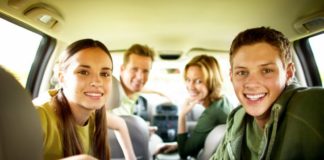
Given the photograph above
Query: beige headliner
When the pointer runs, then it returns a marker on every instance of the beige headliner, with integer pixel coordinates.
(168, 24)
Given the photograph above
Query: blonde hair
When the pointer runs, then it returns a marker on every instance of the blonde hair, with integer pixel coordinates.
(212, 75)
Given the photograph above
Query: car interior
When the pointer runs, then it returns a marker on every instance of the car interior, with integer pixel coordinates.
(33, 34)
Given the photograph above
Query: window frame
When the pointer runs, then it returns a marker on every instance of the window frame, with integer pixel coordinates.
(42, 56)
(307, 59)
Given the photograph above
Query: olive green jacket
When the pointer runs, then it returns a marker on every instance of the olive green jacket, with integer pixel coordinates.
(295, 129)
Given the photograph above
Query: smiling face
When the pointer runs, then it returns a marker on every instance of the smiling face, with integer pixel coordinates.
(258, 76)
(195, 83)
(135, 73)
(86, 79)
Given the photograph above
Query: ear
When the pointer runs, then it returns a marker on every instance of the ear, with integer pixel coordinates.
(231, 74)
(122, 68)
(290, 71)
(60, 77)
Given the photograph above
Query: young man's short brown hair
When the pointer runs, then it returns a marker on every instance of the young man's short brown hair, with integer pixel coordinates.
(263, 34)
(138, 49)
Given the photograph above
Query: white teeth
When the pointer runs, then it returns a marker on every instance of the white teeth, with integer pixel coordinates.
(255, 97)
(93, 94)
(192, 94)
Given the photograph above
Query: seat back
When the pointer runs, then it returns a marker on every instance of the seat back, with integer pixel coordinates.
(20, 128)
(193, 116)
(212, 141)
(139, 134)
(114, 99)
(137, 127)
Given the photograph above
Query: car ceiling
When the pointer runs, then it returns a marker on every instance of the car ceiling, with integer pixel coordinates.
(167, 24)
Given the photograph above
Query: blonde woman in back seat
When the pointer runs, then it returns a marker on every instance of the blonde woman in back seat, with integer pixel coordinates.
(204, 84)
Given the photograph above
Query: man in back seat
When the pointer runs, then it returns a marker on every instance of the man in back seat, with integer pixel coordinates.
(134, 74)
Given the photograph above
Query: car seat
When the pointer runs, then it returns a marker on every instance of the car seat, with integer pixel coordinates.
(20, 127)
(193, 116)
(212, 141)
(139, 135)
(137, 127)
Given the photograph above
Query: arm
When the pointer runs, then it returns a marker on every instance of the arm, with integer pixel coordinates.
(186, 108)
(184, 146)
(215, 114)
(120, 128)
(80, 157)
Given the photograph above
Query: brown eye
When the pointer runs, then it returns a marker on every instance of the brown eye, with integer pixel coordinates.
(105, 74)
(241, 73)
(267, 70)
(83, 72)
(198, 81)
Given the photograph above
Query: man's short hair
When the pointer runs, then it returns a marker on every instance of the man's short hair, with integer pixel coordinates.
(263, 34)
(138, 49)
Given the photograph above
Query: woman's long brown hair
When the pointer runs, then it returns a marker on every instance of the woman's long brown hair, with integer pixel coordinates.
(71, 142)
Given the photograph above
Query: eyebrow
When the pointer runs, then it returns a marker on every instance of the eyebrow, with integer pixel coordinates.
(87, 66)
(262, 65)
(267, 64)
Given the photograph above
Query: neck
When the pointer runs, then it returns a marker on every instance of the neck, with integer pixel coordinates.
(128, 92)
(206, 103)
(263, 119)
(80, 114)
(261, 123)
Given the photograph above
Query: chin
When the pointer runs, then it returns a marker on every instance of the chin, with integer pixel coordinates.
(252, 111)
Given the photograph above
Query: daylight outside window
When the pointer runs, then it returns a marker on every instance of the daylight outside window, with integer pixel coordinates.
(316, 44)
(18, 49)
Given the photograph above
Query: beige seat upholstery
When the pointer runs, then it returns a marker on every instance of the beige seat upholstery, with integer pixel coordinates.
(114, 99)
(212, 141)
(193, 117)
(137, 127)
(20, 128)
(139, 135)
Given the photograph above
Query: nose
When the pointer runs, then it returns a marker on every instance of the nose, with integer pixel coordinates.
(190, 85)
(252, 81)
(140, 75)
(96, 81)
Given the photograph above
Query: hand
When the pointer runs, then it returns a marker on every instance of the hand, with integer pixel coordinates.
(152, 129)
(188, 105)
(167, 148)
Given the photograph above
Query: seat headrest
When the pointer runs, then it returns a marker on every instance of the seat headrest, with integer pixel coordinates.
(20, 128)
(114, 99)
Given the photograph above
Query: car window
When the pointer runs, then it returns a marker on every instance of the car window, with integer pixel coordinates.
(18, 49)
(316, 43)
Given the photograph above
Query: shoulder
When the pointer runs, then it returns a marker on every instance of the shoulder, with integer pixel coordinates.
(308, 97)
(236, 116)
(313, 92)
(305, 108)
(45, 109)
(222, 104)
(47, 115)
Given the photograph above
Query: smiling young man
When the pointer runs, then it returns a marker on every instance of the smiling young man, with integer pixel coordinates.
(277, 119)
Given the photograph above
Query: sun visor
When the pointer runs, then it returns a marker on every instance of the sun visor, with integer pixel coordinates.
(44, 14)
